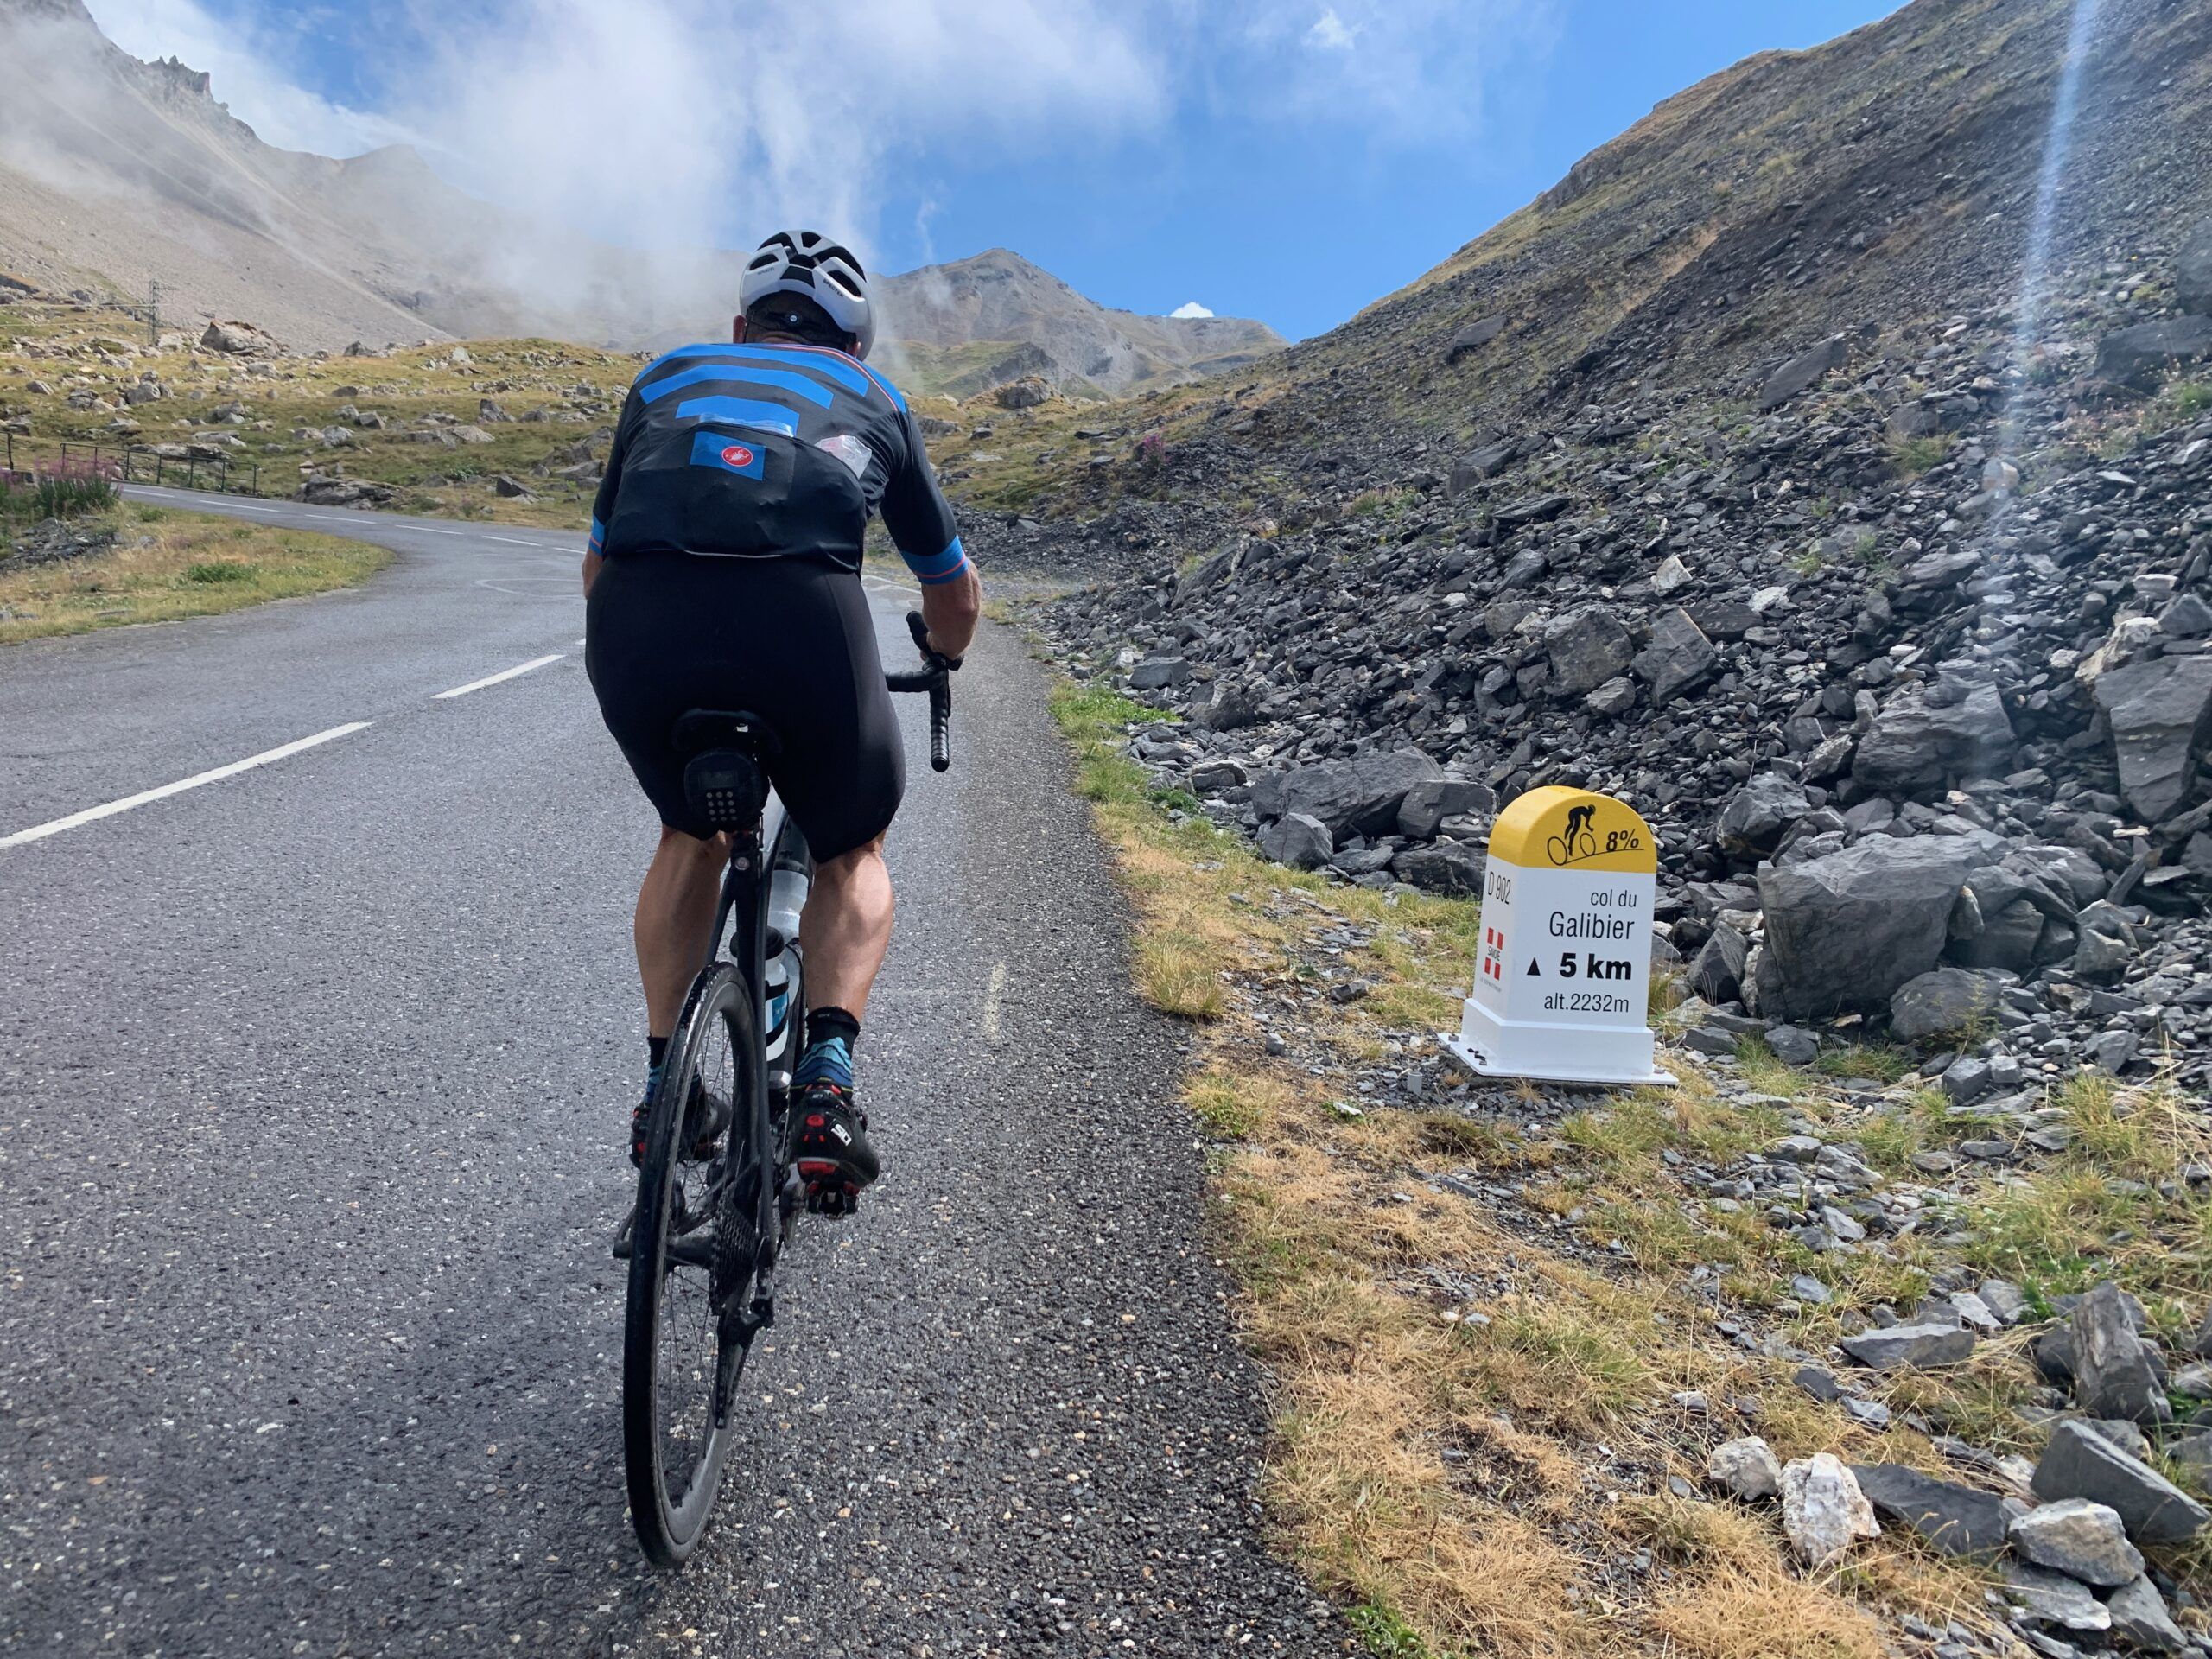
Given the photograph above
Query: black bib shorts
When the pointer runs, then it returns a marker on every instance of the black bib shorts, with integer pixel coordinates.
(789, 639)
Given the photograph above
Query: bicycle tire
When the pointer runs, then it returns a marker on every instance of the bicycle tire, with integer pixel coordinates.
(680, 1206)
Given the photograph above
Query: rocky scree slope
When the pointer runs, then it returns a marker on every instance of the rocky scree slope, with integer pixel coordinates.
(1898, 632)
(1887, 177)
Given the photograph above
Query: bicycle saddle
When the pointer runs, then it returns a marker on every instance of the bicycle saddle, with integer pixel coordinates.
(700, 729)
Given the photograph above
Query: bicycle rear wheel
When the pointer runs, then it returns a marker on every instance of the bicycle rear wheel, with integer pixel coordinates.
(692, 1256)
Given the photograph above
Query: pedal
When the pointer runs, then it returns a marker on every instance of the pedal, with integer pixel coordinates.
(841, 1199)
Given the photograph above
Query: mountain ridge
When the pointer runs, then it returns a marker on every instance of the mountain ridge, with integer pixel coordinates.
(113, 168)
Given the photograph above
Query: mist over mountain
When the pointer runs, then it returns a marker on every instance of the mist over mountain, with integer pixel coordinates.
(114, 172)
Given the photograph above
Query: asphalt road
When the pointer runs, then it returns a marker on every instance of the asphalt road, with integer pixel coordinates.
(313, 1081)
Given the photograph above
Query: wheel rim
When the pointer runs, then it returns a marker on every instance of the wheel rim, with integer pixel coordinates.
(688, 1449)
(696, 1245)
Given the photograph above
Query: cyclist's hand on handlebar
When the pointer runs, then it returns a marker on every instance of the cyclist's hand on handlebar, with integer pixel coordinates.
(923, 642)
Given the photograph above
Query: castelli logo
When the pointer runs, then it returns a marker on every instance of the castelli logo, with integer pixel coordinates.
(737, 455)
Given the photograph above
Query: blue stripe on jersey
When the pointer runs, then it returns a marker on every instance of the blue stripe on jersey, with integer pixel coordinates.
(943, 567)
(835, 365)
(740, 411)
(889, 391)
(782, 379)
(719, 449)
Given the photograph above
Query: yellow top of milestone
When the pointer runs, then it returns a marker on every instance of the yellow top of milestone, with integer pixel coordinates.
(1557, 828)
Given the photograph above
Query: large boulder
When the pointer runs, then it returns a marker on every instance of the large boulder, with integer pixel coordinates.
(1473, 337)
(2080, 1463)
(1449, 867)
(1301, 842)
(1910, 1347)
(1942, 1002)
(1157, 673)
(1536, 510)
(1759, 814)
(2193, 272)
(1678, 656)
(2017, 915)
(1483, 463)
(2159, 711)
(1956, 1520)
(1802, 372)
(1234, 704)
(2115, 1376)
(1429, 803)
(1844, 931)
(1717, 970)
(2081, 1539)
(1921, 742)
(2141, 357)
(1823, 1511)
(238, 340)
(1359, 797)
(1747, 1467)
(2140, 1620)
(1588, 646)
(1028, 392)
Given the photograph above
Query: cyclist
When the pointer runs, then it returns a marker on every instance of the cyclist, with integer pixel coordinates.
(723, 572)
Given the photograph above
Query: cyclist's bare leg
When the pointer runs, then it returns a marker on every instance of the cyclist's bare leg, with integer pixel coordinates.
(846, 929)
(675, 910)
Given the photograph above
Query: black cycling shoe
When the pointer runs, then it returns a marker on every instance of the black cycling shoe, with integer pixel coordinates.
(705, 1116)
(834, 1158)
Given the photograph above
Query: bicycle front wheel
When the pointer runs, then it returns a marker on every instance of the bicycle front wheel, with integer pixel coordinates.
(692, 1256)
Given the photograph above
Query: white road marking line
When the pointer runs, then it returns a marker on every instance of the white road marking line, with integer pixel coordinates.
(991, 1002)
(493, 679)
(512, 541)
(432, 530)
(93, 814)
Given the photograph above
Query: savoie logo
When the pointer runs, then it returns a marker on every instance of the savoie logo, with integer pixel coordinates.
(737, 455)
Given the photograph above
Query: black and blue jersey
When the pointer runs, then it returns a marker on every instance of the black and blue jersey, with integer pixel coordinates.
(771, 452)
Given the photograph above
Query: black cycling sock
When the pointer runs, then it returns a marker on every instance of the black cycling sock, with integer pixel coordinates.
(832, 1022)
(656, 1052)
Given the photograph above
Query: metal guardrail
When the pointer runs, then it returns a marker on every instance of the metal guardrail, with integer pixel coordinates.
(127, 463)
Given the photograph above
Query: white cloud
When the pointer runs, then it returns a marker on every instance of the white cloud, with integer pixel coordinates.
(1190, 309)
(247, 76)
(1412, 74)
(661, 123)
(1329, 33)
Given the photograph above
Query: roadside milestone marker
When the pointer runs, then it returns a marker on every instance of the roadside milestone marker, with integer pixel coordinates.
(1563, 983)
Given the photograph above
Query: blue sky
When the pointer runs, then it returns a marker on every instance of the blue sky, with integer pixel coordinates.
(1290, 160)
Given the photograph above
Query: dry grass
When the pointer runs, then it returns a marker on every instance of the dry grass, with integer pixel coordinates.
(166, 566)
(1466, 1468)
(1734, 1612)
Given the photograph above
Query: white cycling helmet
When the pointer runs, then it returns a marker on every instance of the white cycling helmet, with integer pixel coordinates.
(810, 263)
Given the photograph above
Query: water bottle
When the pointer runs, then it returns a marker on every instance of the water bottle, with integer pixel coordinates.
(787, 890)
(777, 1024)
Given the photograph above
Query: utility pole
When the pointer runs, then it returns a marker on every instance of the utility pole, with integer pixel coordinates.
(154, 290)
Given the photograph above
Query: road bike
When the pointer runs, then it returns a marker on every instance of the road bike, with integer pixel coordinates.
(718, 1196)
